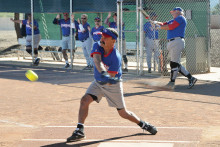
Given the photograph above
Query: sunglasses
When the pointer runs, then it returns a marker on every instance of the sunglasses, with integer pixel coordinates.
(83, 18)
(97, 20)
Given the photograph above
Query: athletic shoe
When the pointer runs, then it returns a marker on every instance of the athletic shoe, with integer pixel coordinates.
(36, 61)
(87, 68)
(192, 82)
(124, 71)
(76, 136)
(150, 128)
(170, 85)
(67, 65)
(149, 70)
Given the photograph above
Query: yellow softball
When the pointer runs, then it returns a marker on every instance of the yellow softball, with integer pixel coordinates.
(32, 76)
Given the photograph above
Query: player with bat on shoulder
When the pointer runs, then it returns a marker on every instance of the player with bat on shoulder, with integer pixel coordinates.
(107, 83)
(176, 43)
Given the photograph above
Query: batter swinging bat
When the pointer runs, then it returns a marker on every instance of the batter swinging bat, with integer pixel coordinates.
(145, 14)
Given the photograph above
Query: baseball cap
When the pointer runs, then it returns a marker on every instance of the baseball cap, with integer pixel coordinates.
(110, 32)
(97, 18)
(65, 13)
(177, 9)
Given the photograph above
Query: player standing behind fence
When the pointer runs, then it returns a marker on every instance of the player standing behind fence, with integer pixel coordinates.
(176, 43)
(114, 25)
(84, 37)
(97, 30)
(65, 25)
(37, 37)
(151, 41)
(107, 83)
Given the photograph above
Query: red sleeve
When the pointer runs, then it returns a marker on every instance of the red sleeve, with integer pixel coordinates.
(164, 23)
(95, 53)
(114, 72)
(174, 25)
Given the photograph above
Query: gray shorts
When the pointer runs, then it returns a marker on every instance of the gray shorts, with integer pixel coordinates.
(66, 42)
(37, 39)
(175, 49)
(113, 93)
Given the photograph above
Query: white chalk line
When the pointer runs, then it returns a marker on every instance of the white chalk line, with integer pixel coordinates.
(103, 140)
(130, 127)
(16, 123)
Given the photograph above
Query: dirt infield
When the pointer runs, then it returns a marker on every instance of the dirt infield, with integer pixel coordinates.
(44, 113)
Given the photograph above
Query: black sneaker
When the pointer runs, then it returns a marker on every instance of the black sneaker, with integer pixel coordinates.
(150, 128)
(36, 61)
(67, 65)
(76, 136)
(192, 82)
(125, 70)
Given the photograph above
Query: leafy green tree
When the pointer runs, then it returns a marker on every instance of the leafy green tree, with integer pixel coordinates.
(216, 10)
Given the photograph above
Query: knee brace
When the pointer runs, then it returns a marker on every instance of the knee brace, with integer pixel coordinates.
(29, 51)
(174, 70)
(35, 52)
(125, 59)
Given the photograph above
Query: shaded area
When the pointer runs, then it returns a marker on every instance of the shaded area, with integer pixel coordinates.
(63, 144)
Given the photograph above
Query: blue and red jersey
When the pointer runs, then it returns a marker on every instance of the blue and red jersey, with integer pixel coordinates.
(111, 61)
(178, 31)
(83, 35)
(65, 26)
(97, 33)
(29, 29)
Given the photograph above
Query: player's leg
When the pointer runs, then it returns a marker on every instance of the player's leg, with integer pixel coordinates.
(93, 93)
(133, 118)
(64, 51)
(124, 52)
(29, 44)
(71, 47)
(86, 55)
(37, 39)
(149, 47)
(88, 49)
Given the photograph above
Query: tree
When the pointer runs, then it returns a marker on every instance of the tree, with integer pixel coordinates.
(216, 9)
(17, 26)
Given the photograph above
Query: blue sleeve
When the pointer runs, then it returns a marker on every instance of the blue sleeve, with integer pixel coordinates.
(157, 34)
(145, 27)
(24, 22)
(95, 50)
(179, 19)
(36, 24)
(115, 65)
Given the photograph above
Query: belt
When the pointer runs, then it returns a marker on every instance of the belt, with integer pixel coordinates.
(175, 38)
(66, 35)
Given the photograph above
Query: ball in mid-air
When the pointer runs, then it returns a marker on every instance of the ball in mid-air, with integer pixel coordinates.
(32, 76)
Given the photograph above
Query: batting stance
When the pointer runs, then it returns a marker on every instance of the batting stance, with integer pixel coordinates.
(37, 37)
(107, 84)
(151, 41)
(176, 43)
(65, 25)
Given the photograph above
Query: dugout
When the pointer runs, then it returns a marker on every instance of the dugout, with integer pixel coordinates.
(195, 56)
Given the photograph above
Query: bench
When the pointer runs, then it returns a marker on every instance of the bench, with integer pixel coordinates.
(57, 55)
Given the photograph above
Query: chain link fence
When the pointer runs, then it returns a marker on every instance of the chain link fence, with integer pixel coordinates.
(196, 57)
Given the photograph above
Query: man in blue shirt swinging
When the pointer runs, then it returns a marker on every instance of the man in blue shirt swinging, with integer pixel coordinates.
(107, 83)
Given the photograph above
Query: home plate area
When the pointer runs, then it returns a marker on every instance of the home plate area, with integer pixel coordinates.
(115, 136)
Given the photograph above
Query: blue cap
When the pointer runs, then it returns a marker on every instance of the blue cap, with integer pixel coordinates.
(177, 8)
(97, 18)
(110, 32)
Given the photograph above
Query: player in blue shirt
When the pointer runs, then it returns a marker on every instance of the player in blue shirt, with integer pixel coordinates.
(84, 36)
(37, 37)
(176, 43)
(107, 73)
(65, 25)
(97, 30)
(151, 41)
(124, 50)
